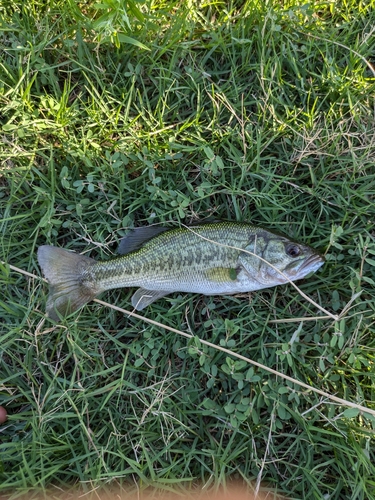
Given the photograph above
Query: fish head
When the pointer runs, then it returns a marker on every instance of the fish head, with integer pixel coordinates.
(281, 260)
(289, 261)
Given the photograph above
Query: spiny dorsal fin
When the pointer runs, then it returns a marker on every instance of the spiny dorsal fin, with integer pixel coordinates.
(138, 237)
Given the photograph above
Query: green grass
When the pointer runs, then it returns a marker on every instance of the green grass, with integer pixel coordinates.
(249, 111)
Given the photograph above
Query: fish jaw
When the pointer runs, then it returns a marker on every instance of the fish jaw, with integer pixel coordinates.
(310, 265)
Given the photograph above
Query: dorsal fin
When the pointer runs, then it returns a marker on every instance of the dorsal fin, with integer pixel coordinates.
(138, 237)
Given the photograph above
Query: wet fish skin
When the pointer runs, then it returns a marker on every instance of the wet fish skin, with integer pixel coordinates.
(212, 259)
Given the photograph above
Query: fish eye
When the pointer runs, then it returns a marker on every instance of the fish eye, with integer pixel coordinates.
(293, 250)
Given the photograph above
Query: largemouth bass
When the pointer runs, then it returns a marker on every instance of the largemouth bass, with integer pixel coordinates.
(219, 258)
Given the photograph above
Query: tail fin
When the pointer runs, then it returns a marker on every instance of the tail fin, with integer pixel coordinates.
(65, 273)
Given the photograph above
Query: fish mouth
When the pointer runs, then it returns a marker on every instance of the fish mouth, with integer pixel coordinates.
(311, 264)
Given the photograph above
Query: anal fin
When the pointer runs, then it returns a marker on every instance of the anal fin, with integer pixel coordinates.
(143, 298)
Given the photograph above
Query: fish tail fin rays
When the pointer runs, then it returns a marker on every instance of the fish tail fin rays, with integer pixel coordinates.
(65, 272)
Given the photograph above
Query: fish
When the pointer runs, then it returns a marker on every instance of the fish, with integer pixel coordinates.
(219, 258)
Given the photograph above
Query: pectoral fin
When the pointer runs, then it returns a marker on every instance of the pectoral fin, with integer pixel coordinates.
(143, 298)
(222, 274)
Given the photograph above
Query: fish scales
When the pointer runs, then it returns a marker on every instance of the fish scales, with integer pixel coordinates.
(170, 256)
(174, 252)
